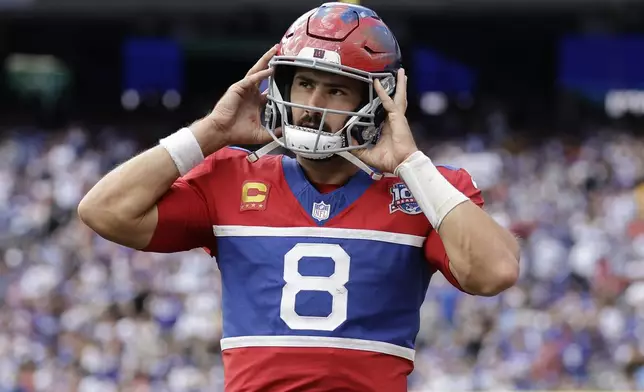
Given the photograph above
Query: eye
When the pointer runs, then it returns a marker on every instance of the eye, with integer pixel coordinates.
(337, 91)
(305, 84)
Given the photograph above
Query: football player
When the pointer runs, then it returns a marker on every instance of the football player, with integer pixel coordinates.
(326, 258)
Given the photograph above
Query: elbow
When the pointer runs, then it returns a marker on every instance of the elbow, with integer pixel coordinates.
(491, 276)
(95, 216)
(507, 277)
(85, 212)
(504, 276)
(500, 276)
(506, 271)
(107, 221)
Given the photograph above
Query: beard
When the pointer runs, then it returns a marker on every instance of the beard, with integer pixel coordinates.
(313, 122)
(332, 158)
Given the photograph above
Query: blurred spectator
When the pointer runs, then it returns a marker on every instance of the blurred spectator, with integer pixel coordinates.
(82, 314)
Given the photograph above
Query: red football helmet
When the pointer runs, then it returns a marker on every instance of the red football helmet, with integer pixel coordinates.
(343, 39)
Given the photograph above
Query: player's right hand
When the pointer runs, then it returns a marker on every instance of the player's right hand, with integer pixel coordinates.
(236, 117)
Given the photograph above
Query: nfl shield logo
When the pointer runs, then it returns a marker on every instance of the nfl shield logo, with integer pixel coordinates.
(321, 211)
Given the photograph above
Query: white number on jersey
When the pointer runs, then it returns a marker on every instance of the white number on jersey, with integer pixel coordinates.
(334, 285)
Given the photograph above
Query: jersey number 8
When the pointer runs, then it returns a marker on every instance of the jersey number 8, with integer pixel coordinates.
(334, 285)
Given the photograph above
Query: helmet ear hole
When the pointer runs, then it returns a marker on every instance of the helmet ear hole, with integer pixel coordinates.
(389, 84)
(283, 79)
(271, 115)
(380, 114)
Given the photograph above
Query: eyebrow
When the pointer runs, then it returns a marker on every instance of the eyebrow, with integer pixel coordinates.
(309, 79)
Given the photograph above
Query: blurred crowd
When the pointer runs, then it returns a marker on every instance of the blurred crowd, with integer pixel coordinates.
(81, 314)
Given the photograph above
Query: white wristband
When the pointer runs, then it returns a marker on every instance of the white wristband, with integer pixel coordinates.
(433, 193)
(184, 149)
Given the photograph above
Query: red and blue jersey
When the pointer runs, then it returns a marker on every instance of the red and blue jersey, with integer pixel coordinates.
(321, 291)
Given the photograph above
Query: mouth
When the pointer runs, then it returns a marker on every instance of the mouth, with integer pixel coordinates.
(311, 125)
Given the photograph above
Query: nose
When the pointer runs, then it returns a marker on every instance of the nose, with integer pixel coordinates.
(317, 98)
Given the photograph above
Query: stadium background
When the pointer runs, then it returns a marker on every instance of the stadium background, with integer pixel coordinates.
(540, 100)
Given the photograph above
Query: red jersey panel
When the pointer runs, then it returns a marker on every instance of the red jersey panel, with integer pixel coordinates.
(313, 370)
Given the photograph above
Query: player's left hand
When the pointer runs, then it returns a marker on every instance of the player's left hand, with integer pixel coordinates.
(396, 140)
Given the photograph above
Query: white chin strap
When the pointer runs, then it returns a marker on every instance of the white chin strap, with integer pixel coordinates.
(353, 159)
(254, 156)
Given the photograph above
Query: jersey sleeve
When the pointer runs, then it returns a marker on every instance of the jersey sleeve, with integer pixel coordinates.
(185, 216)
(434, 248)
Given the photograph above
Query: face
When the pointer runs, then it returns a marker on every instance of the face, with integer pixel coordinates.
(324, 90)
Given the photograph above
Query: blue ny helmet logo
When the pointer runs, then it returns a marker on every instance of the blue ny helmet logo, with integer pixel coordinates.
(402, 200)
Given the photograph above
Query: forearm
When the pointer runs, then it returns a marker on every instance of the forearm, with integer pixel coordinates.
(133, 188)
(483, 256)
(122, 205)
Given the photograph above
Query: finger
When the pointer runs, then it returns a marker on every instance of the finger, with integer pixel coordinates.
(263, 98)
(400, 98)
(262, 63)
(387, 102)
(406, 100)
(359, 152)
(261, 135)
(255, 79)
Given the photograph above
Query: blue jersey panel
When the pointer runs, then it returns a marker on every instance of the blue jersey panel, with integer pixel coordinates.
(335, 201)
(348, 288)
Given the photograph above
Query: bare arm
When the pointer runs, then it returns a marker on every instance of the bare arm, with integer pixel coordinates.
(468, 246)
(121, 207)
(484, 257)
